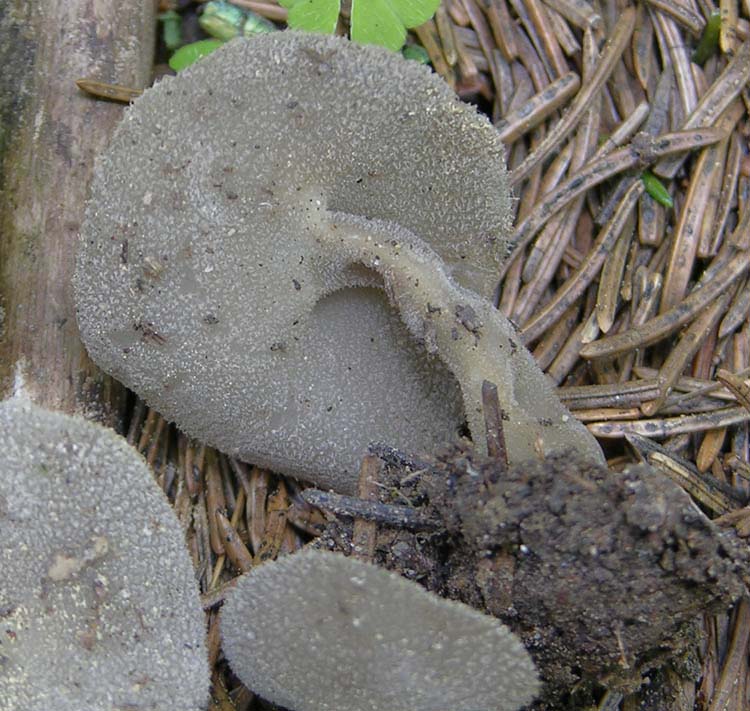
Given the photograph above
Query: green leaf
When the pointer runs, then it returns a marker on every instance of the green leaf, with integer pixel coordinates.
(382, 22)
(709, 41)
(190, 53)
(221, 20)
(656, 189)
(414, 12)
(385, 22)
(312, 15)
(416, 53)
(171, 29)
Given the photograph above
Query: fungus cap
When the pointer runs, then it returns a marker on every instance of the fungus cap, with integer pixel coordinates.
(98, 599)
(199, 281)
(238, 224)
(317, 631)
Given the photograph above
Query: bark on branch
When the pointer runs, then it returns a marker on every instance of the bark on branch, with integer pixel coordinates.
(50, 134)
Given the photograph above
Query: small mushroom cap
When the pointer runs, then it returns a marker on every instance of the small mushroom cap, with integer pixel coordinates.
(316, 631)
(98, 600)
(198, 274)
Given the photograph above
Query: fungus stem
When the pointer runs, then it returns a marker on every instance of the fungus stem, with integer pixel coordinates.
(474, 340)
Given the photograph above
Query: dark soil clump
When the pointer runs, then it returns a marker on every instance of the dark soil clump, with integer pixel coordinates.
(601, 573)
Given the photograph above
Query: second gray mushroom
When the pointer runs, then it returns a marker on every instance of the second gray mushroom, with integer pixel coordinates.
(248, 221)
(317, 630)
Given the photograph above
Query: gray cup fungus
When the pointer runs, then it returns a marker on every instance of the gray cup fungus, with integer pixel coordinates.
(316, 631)
(98, 599)
(245, 226)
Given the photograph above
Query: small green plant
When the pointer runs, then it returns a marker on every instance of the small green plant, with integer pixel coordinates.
(382, 22)
(709, 41)
(190, 53)
(416, 52)
(221, 20)
(656, 189)
(171, 29)
(224, 21)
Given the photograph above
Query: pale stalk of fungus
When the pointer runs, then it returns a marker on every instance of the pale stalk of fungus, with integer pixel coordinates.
(317, 630)
(98, 599)
(207, 280)
(474, 340)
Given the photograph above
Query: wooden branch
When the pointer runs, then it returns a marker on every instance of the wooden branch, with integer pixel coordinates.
(50, 134)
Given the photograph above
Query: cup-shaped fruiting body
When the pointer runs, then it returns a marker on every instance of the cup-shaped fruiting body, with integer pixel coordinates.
(98, 599)
(317, 630)
(207, 282)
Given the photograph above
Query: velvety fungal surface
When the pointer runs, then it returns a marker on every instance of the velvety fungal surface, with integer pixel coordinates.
(317, 631)
(237, 211)
(98, 601)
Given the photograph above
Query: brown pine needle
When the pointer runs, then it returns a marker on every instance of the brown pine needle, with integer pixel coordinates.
(610, 55)
(735, 659)
(667, 323)
(714, 102)
(669, 426)
(679, 356)
(577, 284)
(737, 385)
(111, 92)
(681, 13)
(538, 108)
(641, 153)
